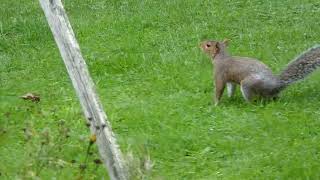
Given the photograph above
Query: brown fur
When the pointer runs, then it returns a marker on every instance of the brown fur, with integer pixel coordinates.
(254, 77)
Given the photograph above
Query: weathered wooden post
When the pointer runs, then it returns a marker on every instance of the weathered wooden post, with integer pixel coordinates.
(84, 86)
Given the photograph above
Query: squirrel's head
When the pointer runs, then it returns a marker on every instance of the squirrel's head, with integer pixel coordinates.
(213, 47)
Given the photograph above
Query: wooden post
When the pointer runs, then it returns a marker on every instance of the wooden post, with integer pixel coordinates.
(84, 86)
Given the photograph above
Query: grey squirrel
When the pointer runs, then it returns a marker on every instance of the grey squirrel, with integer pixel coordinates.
(254, 77)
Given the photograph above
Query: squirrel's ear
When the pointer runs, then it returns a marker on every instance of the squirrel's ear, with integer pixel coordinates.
(226, 42)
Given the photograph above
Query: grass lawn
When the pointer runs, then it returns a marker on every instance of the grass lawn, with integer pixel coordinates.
(156, 87)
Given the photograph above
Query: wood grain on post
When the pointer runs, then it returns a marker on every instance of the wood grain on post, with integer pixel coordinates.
(84, 86)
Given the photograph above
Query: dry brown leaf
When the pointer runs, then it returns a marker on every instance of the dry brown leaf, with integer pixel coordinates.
(31, 96)
(93, 138)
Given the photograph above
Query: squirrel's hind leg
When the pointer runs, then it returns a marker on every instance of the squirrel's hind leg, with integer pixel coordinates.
(247, 87)
(231, 88)
(247, 93)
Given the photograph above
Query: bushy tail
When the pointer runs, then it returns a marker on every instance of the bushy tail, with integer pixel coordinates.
(302, 66)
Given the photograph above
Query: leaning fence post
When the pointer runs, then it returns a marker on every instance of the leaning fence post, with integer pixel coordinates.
(84, 86)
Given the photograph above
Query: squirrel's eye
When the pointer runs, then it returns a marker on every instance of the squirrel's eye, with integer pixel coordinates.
(208, 45)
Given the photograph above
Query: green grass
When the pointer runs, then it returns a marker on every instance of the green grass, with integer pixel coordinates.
(156, 87)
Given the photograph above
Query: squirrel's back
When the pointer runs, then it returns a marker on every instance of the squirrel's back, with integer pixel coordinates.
(238, 68)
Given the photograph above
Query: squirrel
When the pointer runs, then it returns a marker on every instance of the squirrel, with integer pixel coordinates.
(254, 77)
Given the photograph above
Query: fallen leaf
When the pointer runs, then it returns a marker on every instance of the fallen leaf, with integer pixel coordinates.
(31, 96)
